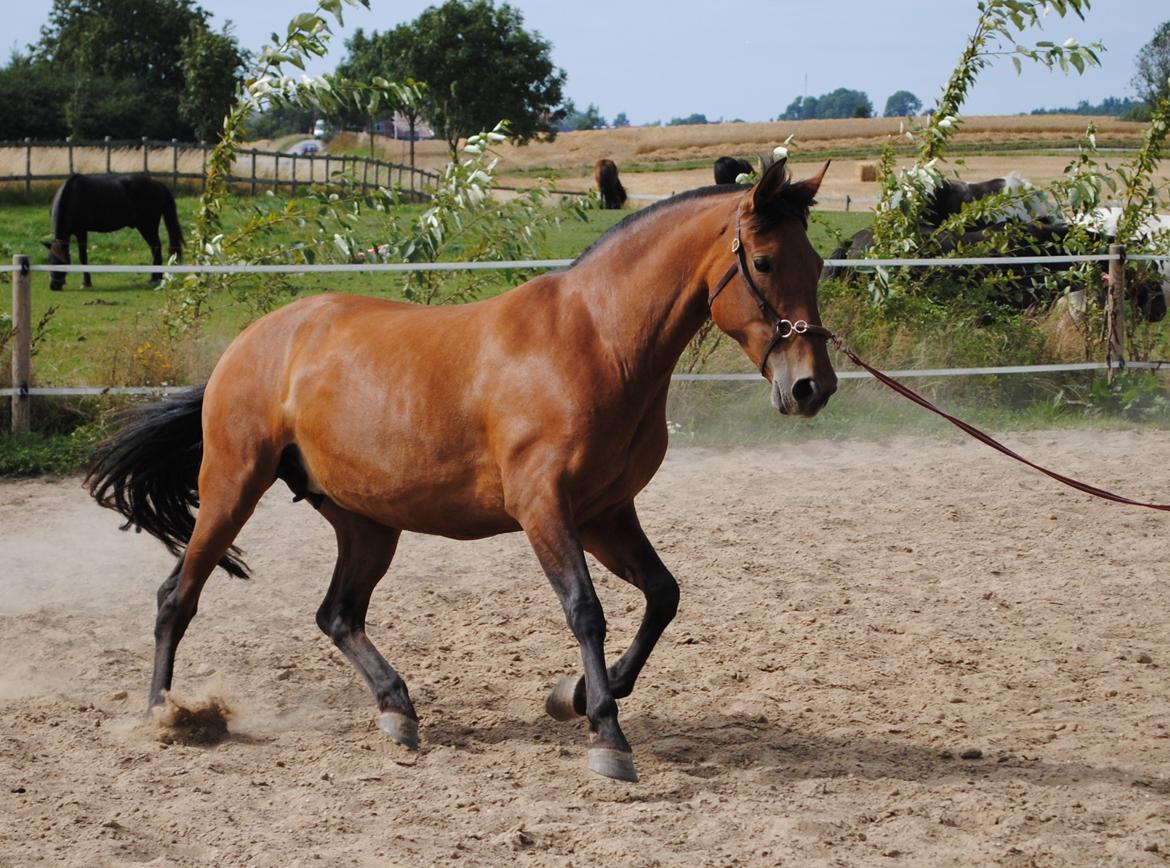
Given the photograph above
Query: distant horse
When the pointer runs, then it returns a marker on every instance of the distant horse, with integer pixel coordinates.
(1146, 288)
(107, 203)
(727, 169)
(542, 409)
(605, 174)
(952, 194)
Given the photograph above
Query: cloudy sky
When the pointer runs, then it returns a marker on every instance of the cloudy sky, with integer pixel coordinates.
(748, 59)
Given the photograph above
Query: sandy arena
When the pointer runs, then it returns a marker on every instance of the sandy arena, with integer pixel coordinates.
(894, 653)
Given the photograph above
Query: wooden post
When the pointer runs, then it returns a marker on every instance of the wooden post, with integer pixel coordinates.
(328, 177)
(253, 171)
(108, 163)
(69, 146)
(312, 168)
(203, 154)
(174, 164)
(294, 174)
(21, 344)
(276, 174)
(848, 202)
(27, 166)
(145, 157)
(365, 174)
(1115, 322)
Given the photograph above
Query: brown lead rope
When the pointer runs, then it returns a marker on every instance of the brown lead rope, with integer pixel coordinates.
(907, 392)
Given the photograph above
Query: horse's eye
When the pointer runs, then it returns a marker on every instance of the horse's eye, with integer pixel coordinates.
(762, 264)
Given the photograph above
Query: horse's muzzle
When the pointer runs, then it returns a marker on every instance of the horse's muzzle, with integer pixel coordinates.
(806, 398)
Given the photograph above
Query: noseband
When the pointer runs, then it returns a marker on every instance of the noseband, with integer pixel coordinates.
(782, 328)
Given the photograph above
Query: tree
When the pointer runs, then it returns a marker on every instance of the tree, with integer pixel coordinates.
(844, 103)
(33, 96)
(620, 120)
(902, 103)
(212, 73)
(480, 66)
(692, 119)
(382, 55)
(802, 108)
(574, 119)
(124, 60)
(1152, 79)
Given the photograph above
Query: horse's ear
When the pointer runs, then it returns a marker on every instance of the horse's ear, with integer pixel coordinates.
(806, 190)
(769, 185)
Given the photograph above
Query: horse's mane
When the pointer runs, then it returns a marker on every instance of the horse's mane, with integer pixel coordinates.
(628, 221)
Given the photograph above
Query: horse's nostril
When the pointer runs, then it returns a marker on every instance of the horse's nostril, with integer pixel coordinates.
(805, 391)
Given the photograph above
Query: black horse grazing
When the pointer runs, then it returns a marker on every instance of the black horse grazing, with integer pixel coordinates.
(727, 169)
(613, 194)
(106, 203)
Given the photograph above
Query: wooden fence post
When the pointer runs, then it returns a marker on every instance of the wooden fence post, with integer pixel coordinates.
(253, 171)
(276, 174)
(21, 344)
(108, 164)
(174, 164)
(1115, 321)
(328, 176)
(365, 174)
(27, 166)
(203, 180)
(294, 174)
(145, 154)
(69, 146)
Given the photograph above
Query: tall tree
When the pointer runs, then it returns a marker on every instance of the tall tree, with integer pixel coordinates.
(902, 103)
(34, 97)
(212, 67)
(1152, 77)
(481, 66)
(383, 55)
(123, 60)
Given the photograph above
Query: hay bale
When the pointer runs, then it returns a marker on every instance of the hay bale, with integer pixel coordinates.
(867, 172)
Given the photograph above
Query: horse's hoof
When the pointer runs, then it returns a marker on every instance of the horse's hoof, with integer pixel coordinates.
(559, 704)
(399, 727)
(616, 764)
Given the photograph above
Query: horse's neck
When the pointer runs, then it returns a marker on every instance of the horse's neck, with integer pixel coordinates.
(648, 286)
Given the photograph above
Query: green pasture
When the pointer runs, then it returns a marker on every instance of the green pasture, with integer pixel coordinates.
(95, 336)
(90, 331)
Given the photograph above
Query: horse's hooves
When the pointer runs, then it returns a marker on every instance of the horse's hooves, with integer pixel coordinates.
(399, 727)
(559, 704)
(616, 764)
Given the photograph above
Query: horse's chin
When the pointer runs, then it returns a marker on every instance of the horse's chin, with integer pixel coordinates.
(779, 399)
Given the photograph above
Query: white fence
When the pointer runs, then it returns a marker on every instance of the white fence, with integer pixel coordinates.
(22, 268)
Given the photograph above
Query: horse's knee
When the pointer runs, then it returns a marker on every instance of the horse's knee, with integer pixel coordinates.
(662, 595)
(586, 619)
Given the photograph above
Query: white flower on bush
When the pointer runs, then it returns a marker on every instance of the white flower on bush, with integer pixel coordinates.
(947, 122)
(1071, 42)
(779, 153)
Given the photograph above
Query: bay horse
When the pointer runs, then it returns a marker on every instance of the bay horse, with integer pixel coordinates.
(605, 174)
(541, 410)
(107, 203)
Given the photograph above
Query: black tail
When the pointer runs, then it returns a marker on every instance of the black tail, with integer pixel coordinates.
(149, 472)
(174, 229)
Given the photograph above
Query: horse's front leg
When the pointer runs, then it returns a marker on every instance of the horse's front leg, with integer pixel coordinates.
(560, 554)
(83, 258)
(618, 541)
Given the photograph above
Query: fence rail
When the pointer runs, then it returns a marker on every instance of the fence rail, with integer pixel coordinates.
(22, 268)
(254, 169)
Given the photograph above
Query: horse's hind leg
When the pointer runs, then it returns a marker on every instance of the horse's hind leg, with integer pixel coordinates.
(364, 551)
(226, 503)
(620, 544)
(150, 235)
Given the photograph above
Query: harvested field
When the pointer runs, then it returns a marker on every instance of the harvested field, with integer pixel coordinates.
(902, 652)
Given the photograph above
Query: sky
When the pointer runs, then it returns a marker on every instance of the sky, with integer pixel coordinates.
(742, 59)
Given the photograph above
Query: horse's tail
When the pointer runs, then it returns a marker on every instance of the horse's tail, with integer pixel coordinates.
(171, 218)
(149, 472)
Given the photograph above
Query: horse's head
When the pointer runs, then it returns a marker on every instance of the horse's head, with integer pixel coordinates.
(770, 304)
(58, 255)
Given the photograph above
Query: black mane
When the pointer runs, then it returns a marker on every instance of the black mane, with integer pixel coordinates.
(700, 193)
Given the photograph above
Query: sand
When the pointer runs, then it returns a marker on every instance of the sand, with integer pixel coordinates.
(908, 652)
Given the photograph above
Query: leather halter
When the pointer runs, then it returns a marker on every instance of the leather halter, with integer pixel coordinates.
(782, 328)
